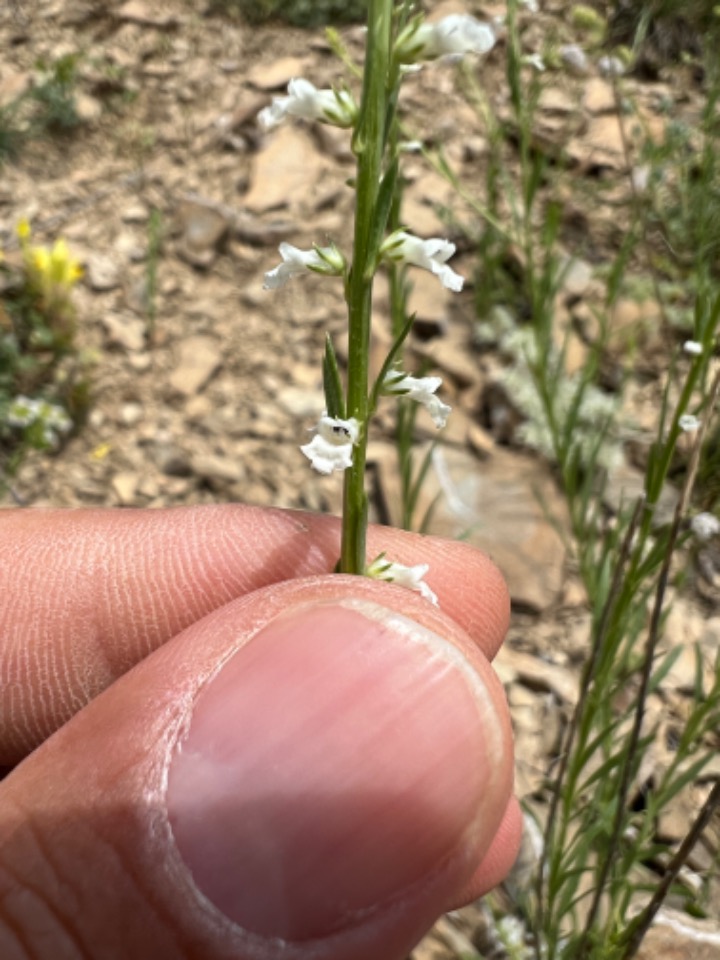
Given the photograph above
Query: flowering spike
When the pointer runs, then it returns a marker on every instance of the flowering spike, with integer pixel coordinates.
(332, 446)
(429, 254)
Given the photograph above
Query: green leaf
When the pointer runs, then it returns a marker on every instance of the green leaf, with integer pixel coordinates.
(332, 384)
(389, 361)
(386, 193)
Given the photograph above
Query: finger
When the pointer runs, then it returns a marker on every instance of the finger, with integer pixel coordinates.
(314, 770)
(87, 594)
(500, 857)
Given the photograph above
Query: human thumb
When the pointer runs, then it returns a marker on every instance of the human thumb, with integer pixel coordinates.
(313, 771)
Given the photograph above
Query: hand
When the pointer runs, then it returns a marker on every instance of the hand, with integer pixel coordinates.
(321, 760)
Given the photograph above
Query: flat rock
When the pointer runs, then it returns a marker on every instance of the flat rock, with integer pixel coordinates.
(102, 272)
(199, 359)
(125, 486)
(429, 301)
(135, 11)
(286, 167)
(277, 74)
(126, 332)
(217, 469)
(507, 505)
(203, 231)
(599, 96)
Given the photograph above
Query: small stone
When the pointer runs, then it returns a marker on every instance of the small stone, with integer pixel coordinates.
(135, 11)
(128, 247)
(135, 213)
(14, 85)
(204, 230)
(124, 485)
(131, 413)
(172, 460)
(199, 360)
(276, 74)
(87, 108)
(102, 272)
(127, 332)
(575, 59)
(217, 470)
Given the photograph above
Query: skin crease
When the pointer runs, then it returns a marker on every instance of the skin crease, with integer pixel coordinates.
(175, 591)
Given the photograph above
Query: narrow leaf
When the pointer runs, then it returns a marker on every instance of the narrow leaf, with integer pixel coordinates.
(385, 197)
(332, 384)
(389, 360)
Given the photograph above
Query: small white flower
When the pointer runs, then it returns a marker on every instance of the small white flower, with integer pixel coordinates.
(535, 61)
(54, 417)
(531, 6)
(692, 347)
(332, 446)
(640, 177)
(429, 254)
(23, 411)
(705, 526)
(689, 423)
(611, 67)
(306, 101)
(326, 260)
(409, 577)
(454, 35)
(420, 389)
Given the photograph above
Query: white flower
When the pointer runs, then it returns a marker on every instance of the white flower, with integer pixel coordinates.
(692, 347)
(421, 389)
(705, 526)
(611, 67)
(23, 411)
(325, 260)
(689, 423)
(53, 419)
(332, 446)
(429, 254)
(410, 577)
(535, 61)
(454, 35)
(306, 101)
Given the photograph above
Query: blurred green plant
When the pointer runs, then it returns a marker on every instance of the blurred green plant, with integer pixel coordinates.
(43, 386)
(48, 106)
(595, 896)
(300, 13)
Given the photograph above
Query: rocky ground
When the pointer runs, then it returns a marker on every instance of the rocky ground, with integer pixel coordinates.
(204, 386)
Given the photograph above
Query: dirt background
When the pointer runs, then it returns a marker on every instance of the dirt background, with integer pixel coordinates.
(203, 390)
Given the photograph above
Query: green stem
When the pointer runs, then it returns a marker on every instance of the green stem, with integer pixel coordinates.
(369, 147)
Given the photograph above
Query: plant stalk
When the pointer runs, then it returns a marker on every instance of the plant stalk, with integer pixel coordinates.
(369, 148)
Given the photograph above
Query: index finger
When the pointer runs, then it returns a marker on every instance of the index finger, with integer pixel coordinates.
(89, 593)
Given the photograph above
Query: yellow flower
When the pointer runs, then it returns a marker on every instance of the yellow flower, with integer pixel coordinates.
(23, 230)
(40, 260)
(64, 270)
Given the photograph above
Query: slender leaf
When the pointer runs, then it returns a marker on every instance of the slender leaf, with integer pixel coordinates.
(332, 384)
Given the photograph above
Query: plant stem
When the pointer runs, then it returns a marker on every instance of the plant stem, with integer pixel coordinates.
(369, 148)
